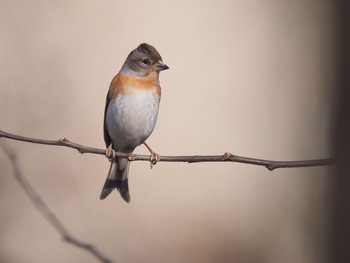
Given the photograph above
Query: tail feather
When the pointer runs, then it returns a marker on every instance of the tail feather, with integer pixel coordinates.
(117, 178)
(123, 188)
(108, 188)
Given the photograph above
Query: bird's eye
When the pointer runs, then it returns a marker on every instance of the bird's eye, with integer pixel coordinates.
(146, 61)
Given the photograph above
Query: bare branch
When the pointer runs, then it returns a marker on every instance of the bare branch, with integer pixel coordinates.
(47, 213)
(226, 157)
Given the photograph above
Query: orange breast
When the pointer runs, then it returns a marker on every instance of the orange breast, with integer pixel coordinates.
(121, 83)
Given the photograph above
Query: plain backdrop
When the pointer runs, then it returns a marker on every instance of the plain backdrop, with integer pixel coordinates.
(254, 78)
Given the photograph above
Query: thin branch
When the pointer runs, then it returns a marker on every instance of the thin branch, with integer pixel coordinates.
(226, 157)
(48, 214)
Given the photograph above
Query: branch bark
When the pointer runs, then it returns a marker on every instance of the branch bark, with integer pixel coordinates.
(46, 212)
(226, 157)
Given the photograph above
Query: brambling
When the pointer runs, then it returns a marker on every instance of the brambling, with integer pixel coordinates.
(131, 113)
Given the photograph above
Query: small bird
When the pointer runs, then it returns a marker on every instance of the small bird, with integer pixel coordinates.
(131, 113)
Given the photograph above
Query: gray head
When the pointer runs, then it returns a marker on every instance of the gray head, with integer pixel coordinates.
(143, 60)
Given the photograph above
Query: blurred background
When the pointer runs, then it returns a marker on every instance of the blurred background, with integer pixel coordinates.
(254, 78)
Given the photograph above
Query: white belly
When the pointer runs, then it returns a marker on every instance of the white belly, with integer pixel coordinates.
(131, 118)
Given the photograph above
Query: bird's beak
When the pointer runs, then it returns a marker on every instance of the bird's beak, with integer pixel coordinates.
(160, 66)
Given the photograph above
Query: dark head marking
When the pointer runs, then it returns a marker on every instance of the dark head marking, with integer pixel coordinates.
(144, 59)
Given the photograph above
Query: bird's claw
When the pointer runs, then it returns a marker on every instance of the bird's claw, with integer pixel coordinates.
(154, 158)
(110, 153)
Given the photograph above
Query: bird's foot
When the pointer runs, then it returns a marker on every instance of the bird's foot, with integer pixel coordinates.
(110, 153)
(154, 158)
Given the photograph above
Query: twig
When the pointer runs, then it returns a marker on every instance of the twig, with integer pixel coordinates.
(47, 213)
(226, 157)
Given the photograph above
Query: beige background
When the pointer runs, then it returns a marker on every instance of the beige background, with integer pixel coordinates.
(250, 77)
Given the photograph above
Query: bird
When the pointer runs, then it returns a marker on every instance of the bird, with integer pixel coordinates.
(131, 112)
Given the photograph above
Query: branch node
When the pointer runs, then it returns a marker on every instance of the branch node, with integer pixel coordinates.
(81, 151)
(63, 139)
(271, 167)
(228, 156)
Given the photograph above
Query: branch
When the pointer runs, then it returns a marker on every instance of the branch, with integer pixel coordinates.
(47, 213)
(226, 157)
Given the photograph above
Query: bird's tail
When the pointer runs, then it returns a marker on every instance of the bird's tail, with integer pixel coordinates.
(117, 178)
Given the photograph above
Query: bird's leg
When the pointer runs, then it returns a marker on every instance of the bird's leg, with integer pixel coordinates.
(110, 153)
(154, 157)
